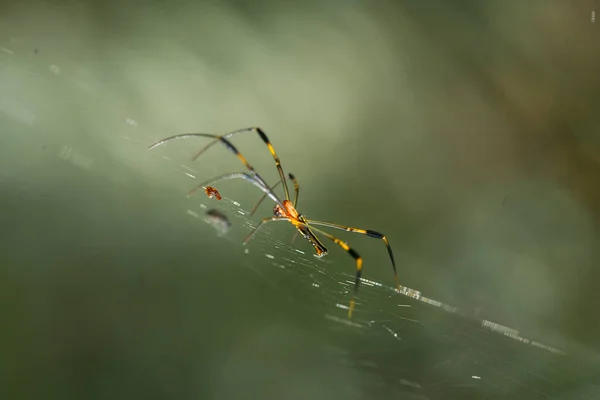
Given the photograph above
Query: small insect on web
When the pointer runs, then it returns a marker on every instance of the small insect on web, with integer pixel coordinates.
(212, 193)
(284, 210)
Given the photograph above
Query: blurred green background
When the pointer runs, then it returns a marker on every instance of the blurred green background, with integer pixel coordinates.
(466, 131)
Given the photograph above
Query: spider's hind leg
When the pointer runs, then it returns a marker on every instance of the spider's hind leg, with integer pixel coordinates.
(357, 258)
(367, 232)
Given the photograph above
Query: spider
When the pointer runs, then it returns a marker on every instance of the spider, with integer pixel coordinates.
(284, 210)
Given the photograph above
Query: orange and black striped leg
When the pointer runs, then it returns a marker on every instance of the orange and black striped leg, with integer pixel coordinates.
(296, 192)
(216, 139)
(296, 188)
(224, 135)
(349, 250)
(260, 225)
(367, 232)
(264, 138)
(225, 142)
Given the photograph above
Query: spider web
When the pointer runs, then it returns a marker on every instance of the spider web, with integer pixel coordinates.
(473, 358)
(405, 343)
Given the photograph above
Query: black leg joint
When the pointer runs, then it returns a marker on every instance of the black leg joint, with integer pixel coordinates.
(262, 135)
(374, 234)
(353, 253)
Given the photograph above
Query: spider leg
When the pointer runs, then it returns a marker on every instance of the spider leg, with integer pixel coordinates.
(262, 198)
(337, 241)
(305, 230)
(260, 225)
(239, 175)
(296, 192)
(189, 135)
(367, 232)
(226, 136)
(295, 236)
(225, 142)
(181, 136)
(349, 250)
(265, 139)
(296, 188)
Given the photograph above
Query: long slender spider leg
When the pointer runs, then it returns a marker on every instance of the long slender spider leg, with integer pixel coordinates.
(264, 138)
(239, 175)
(264, 196)
(367, 232)
(294, 237)
(349, 250)
(175, 137)
(296, 188)
(260, 225)
(337, 241)
(225, 142)
(224, 135)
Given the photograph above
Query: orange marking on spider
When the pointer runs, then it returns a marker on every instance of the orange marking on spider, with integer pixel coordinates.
(212, 193)
(284, 210)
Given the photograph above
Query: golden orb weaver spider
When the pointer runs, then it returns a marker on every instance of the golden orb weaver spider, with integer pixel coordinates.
(284, 210)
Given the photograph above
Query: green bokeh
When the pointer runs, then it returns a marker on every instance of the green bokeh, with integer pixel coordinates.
(467, 134)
